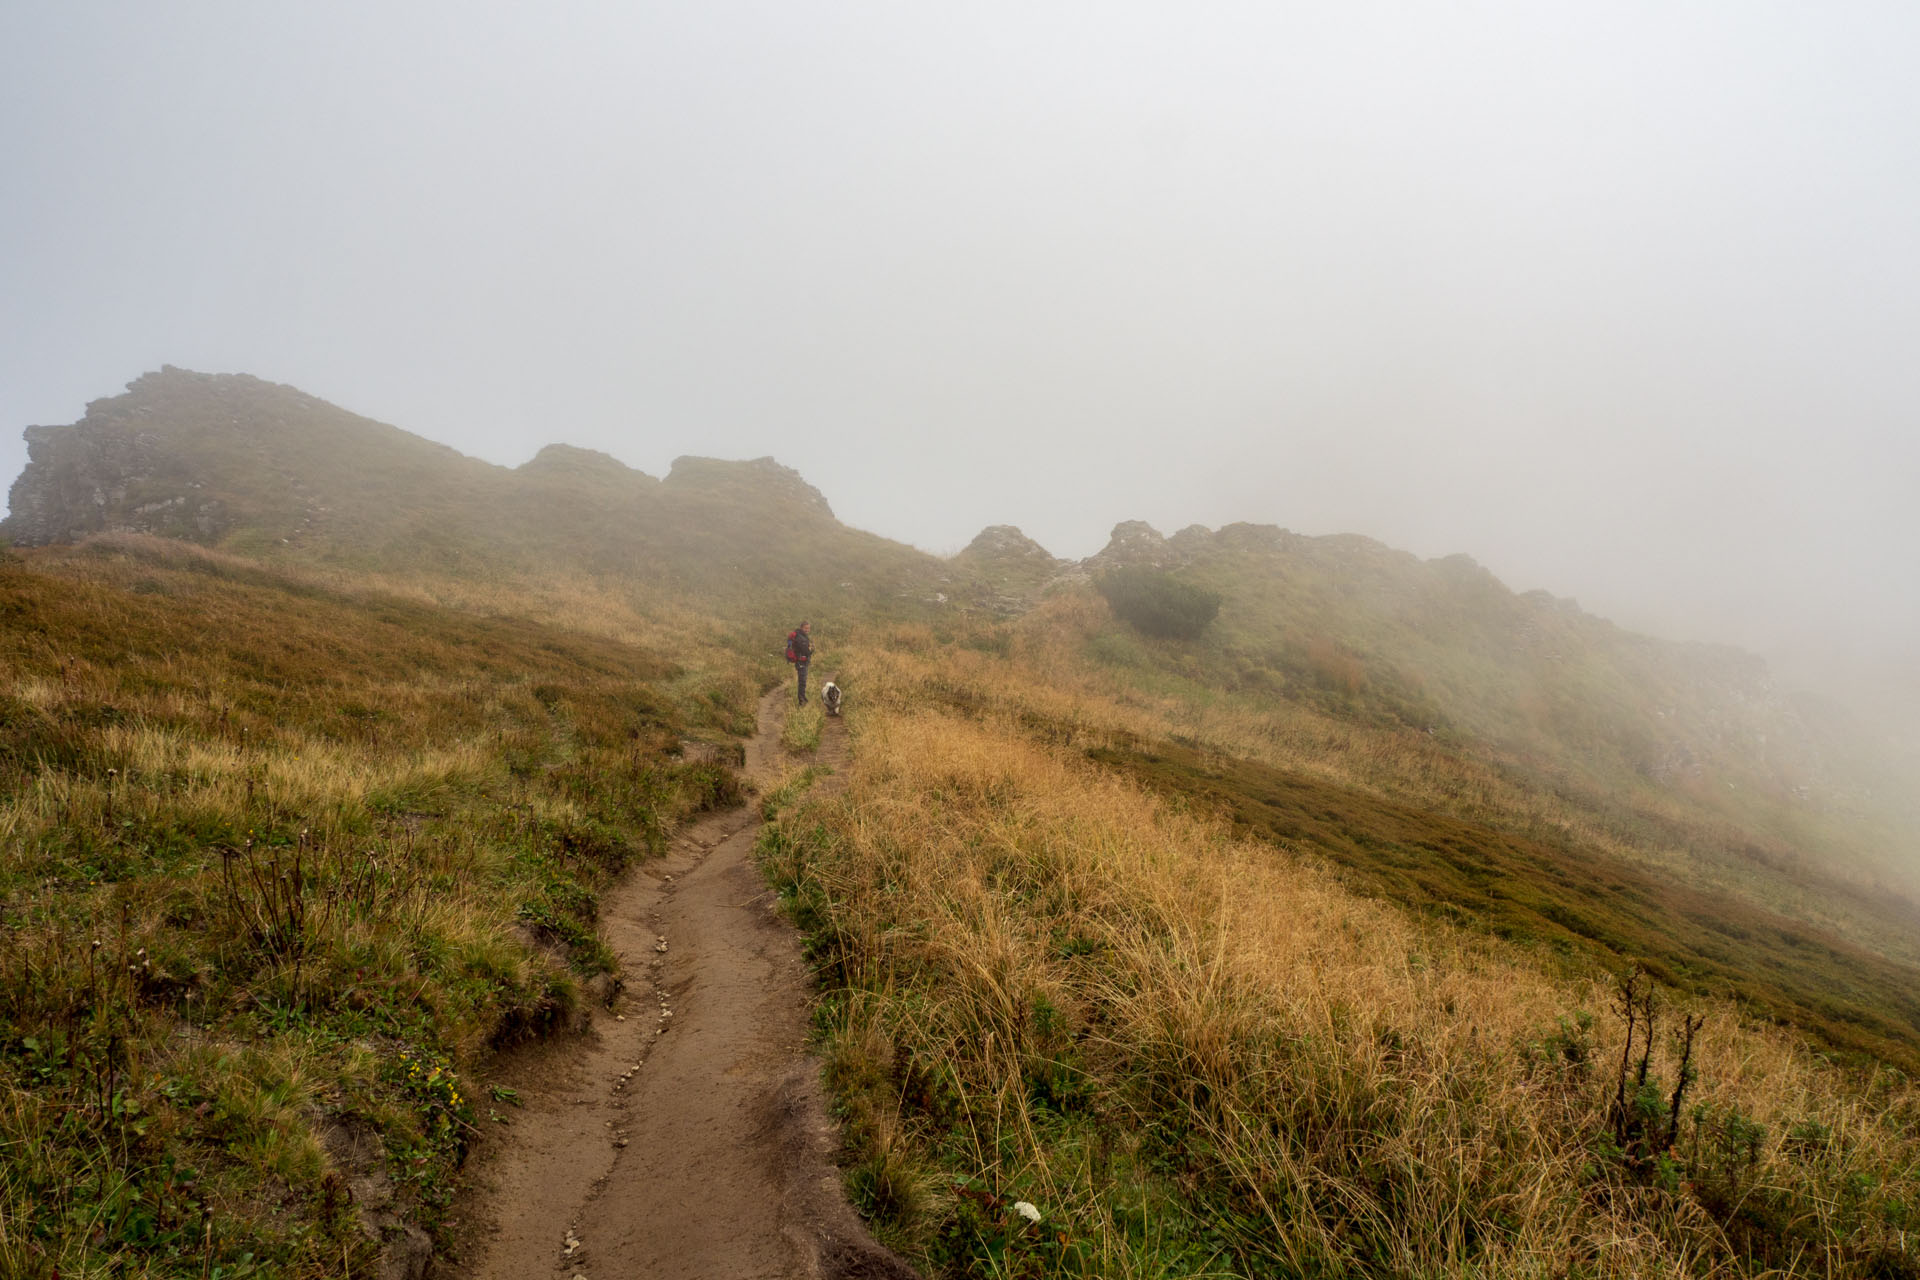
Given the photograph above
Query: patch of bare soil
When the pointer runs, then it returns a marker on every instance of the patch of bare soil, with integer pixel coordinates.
(685, 1134)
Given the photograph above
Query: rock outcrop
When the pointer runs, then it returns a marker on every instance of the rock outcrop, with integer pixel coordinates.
(1003, 569)
(759, 477)
(1190, 540)
(1135, 544)
(108, 472)
(260, 469)
(200, 457)
(1004, 542)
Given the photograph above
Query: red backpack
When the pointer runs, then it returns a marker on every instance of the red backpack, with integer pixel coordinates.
(791, 636)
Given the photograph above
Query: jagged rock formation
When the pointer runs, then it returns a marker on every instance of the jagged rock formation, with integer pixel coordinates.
(1135, 542)
(1003, 542)
(111, 471)
(104, 480)
(1190, 539)
(1003, 568)
(203, 457)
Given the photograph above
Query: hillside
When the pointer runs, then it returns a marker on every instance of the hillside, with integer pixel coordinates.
(1196, 1036)
(1683, 757)
(282, 866)
(1656, 738)
(1353, 626)
(259, 469)
(1344, 623)
(331, 738)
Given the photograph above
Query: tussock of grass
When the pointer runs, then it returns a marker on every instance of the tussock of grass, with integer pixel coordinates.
(801, 732)
(1198, 1056)
(282, 863)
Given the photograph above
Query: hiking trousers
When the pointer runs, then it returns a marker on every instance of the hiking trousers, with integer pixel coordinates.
(801, 667)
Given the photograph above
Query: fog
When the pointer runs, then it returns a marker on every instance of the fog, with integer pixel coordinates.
(1621, 300)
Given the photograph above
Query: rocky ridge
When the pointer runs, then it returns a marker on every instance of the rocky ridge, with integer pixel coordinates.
(260, 468)
(1439, 641)
(244, 465)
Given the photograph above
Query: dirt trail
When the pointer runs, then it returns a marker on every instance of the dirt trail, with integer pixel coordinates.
(685, 1135)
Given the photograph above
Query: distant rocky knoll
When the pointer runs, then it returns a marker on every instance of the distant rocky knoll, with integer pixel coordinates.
(1363, 630)
(251, 466)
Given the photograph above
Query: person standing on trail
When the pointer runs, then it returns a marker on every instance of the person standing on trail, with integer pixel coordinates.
(800, 653)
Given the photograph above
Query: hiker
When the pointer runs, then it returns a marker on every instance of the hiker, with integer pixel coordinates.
(800, 653)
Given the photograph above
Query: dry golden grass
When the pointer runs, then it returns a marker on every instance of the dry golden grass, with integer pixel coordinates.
(1045, 679)
(801, 730)
(1197, 1056)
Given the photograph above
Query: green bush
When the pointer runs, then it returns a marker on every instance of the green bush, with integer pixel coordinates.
(1160, 604)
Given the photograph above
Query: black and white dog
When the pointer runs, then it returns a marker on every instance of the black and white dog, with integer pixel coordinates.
(830, 697)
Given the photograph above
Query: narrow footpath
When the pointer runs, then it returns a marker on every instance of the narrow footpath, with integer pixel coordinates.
(685, 1136)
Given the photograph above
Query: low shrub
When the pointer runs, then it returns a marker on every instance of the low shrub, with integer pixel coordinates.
(1160, 603)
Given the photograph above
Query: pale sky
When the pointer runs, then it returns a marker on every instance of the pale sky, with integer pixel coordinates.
(1623, 300)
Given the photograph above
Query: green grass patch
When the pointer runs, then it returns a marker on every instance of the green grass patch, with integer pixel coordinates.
(801, 732)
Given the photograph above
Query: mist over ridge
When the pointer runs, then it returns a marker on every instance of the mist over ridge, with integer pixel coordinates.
(1872, 689)
(1618, 304)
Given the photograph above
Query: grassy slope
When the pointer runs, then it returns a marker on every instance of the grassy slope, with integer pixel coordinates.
(1569, 899)
(1523, 715)
(729, 552)
(1199, 1053)
(1565, 700)
(281, 863)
